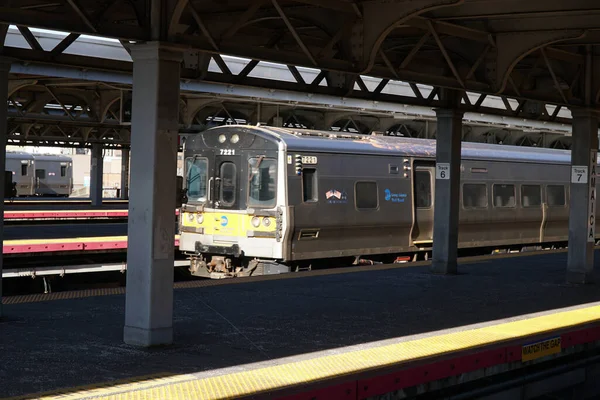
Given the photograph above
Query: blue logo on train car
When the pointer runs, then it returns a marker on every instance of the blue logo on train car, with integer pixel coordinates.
(224, 221)
(394, 197)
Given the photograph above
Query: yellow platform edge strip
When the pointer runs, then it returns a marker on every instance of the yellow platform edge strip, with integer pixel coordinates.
(308, 371)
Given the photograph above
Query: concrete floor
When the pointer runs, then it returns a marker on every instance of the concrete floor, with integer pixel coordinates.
(62, 343)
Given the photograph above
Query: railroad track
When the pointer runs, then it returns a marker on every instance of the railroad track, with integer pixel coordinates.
(184, 281)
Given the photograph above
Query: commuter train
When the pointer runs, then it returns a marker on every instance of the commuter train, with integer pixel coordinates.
(40, 175)
(265, 200)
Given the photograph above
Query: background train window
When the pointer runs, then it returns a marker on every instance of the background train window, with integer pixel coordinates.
(474, 195)
(423, 189)
(504, 195)
(309, 185)
(366, 195)
(63, 170)
(531, 195)
(197, 176)
(23, 169)
(228, 186)
(262, 182)
(555, 195)
(40, 173)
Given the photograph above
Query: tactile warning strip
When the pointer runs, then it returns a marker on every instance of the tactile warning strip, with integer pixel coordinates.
(300, 373)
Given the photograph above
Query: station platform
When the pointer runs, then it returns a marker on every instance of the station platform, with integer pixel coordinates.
(351, 333)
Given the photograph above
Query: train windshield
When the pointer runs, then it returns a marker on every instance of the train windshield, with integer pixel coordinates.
(197, 176)
(262, 182)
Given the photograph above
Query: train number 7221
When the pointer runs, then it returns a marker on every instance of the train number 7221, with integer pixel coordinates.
(227, 152)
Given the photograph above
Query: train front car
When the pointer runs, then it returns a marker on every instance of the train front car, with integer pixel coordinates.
(234, 219)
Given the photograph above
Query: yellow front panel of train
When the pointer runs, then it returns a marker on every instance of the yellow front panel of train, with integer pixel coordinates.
(228, 224)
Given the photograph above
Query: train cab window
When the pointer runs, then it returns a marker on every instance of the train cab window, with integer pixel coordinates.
(309, 185)
(23, 169)
(227, 188)
(423, 189)
(531, 195)
(197, 175)
(63, 170)
(504, 195)
(262, 180)
(474, 195)
(366, 195)
(555, 195)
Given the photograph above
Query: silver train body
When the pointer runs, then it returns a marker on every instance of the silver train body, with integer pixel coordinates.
(264, 200)
(40, 175)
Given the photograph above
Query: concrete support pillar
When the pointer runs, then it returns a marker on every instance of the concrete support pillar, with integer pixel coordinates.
(4, 69)
(447, 189)
(151, 231)
(124, 174)
(96, 174)
(582, 212)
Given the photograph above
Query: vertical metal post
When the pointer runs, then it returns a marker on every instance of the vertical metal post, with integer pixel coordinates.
(124, 174)
(4, 70)
(447, 190)
(96, 175)
(582, 210)
(151, 230)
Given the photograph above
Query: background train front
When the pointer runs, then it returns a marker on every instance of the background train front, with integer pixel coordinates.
(358, 196)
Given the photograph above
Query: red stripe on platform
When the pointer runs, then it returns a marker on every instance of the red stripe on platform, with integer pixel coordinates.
(67, 246)
(67, 214)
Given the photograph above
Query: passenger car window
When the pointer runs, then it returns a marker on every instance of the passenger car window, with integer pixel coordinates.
(531, 195)
(555, 195)
(262, 187)
(366, 195)
(197, 175)
(23, 169)
(63, 170)
(309, 185)
(474, 195)
(504, 196)
(423, 189)
(40, 173)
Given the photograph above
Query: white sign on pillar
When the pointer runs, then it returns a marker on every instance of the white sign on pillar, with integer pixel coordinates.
(591, 231)
(442, 171)
(579, 174)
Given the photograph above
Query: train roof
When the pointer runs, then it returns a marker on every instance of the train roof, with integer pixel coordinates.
(51, 157)
(350, 143)
(21, 155)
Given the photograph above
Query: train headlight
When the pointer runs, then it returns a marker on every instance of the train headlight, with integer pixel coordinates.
(222, 138)
(266, 221)
(255, 222)
(190, 217)
(235, 138)
(200, 218)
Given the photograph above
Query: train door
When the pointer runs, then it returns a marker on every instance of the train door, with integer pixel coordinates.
(424, 189)
(226, 183)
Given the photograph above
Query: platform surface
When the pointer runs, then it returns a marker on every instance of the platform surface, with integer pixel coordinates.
(47, 345)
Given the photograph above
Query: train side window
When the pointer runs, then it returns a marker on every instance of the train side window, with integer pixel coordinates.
(63, 170)
(504, 195)
(531, 195)
(23, 169)
(423, 189)
(40, 173)
(555, 195)
(366, 197)
(474, 195)
(309, 185)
